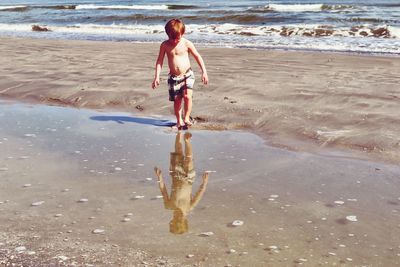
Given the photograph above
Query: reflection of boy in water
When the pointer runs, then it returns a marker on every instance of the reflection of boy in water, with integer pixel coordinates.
(183, 175)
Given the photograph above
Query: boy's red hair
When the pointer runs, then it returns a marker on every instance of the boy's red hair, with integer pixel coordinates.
(174, 27)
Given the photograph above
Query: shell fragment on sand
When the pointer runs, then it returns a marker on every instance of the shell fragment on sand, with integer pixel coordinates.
(272, 247)
(98, 231)
(237, 223)
(339, 202)
(38, 203)
(352, 218)
(20, 249)
(206, 234)
(62, 258)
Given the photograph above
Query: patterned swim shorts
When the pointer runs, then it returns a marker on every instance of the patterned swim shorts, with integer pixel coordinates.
(177, 84)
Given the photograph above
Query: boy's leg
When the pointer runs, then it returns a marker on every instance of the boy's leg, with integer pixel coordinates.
(178, 110)
(178, 144)
(188, 102)
(188, 162)
(188, 145)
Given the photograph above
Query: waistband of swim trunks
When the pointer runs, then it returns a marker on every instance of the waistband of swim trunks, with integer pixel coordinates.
(186, 74)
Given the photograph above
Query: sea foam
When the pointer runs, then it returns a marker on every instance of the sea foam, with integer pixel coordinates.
(12, 7)
(295, 8)
(143, 7)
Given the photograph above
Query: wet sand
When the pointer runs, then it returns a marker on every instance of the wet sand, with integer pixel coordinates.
(304, 101)
(69, 178)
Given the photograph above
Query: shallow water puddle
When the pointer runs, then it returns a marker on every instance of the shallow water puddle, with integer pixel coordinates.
(79, 179)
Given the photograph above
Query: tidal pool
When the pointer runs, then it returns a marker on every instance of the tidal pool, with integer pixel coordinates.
(87, 187)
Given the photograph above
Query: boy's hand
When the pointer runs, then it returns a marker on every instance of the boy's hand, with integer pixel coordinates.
(204, 78)
(205, 177)
(158, 173)
(159, 176)
(155, 83)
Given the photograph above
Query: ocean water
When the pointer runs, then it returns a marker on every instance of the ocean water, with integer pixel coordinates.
(370, 26)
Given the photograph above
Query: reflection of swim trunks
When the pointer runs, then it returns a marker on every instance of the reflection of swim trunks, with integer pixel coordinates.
(181, 168)
(177, 84)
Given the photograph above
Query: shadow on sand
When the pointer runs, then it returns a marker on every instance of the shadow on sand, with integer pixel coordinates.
(123, 119)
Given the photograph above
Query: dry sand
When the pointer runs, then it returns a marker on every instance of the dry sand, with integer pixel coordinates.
(300, 100)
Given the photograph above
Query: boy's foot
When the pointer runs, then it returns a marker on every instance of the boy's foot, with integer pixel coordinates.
(187, 136)
(179, 127)
(176, 127)
(188, 123)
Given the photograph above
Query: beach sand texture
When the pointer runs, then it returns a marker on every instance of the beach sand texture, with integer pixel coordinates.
(300, 100)
(298, 208)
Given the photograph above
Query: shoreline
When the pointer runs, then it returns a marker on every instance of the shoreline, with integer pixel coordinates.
(216, 46)
(303, 101)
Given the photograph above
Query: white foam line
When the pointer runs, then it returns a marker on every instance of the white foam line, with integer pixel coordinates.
(15, 27)
(394, 31)
(147, 7)
(110, 29)
(295, 8)
(11, 7)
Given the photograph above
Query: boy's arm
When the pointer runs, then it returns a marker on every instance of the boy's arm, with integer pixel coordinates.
(161, 184)
(199, 61)
(195, 200)
(159, 63)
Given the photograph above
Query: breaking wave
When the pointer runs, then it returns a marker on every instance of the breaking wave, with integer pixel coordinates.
(309, 37)
(60, 7)
(239, 18)
(360, 31)
(14, 8)
(179, 7)
(242, 18)
(101, 7)
(305, 7)
(146, 7)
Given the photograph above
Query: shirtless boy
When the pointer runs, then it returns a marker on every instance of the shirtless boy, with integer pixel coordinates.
(181, 76)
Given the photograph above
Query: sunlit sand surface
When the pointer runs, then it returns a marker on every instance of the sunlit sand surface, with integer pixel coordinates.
(304, 101)
(78, 187)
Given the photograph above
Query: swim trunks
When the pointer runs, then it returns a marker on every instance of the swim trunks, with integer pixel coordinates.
(177, 84)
